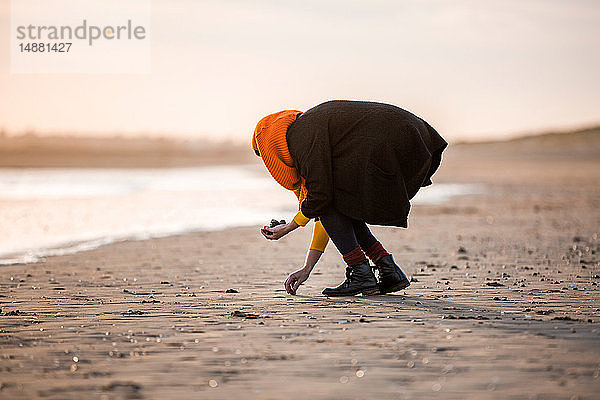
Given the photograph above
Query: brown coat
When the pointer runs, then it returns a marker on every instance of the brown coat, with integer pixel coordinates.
(365, 159)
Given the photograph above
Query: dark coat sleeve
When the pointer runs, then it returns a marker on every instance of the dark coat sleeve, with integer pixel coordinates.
(315, 167)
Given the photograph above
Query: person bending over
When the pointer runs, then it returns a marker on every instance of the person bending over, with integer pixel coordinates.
(349, 163)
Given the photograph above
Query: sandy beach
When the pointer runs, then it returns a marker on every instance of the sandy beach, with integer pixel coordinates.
(504, 304)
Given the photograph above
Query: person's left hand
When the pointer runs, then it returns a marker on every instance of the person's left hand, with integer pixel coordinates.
(278, 231)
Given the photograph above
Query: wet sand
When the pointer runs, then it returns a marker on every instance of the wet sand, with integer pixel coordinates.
(505, 304)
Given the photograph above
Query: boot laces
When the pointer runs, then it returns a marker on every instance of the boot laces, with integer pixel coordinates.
(349, 274)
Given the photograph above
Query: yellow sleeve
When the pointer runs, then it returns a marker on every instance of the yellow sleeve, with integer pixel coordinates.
(320, 238)
(300, 219)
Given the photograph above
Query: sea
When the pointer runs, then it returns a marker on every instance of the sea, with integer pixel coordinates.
(46, 212)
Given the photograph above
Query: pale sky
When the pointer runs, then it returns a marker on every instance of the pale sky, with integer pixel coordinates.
(473, 69)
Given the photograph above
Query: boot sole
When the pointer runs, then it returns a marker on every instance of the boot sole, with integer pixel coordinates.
(395, 288)
(370, 292)
(365, 292)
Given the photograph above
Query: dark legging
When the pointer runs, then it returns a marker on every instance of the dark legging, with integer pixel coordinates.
(346, 233)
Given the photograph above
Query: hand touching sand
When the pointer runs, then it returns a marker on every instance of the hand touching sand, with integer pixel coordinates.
(293, 282)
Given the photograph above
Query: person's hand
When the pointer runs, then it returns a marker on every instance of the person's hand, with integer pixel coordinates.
(277, 232)
(293, 282)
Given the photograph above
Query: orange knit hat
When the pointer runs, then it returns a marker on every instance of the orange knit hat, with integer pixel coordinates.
(270, 143)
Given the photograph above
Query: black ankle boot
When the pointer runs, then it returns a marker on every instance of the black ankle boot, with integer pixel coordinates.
(391, 277)
(359, 279)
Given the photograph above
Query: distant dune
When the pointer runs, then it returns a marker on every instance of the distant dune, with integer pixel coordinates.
(116, 152)
(64, 151)
(582, 143)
